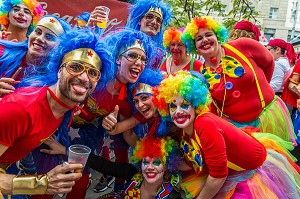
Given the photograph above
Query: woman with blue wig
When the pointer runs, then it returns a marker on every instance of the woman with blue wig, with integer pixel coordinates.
(131, 51)
(17, 59)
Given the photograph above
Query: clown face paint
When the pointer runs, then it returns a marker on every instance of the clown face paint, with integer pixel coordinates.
(153, 169)
(182, 113)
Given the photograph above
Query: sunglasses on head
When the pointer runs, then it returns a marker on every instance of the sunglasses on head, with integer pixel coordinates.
(77, 68)
(151, 17)
(132, 57)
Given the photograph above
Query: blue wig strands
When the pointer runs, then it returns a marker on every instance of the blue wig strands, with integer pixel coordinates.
(140, 8)
(72, 40)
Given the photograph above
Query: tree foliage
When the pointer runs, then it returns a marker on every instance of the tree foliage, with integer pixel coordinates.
(184, 10)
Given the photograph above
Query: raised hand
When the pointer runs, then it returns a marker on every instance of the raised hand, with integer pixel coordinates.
(110, 121)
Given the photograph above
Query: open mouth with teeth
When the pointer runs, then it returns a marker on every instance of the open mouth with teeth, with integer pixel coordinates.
(145, 112)
(181, 119)
(206, 46)
(151, 175)
(38, 47)
(134, 73)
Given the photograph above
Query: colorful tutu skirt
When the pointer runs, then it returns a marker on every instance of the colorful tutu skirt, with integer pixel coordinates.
(277, 178)
(274, 119)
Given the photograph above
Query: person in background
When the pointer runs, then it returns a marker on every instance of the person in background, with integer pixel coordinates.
(285, 57)
(19, 18)
(238, 78)
(179, 59)
(245, 29)
(227, 162)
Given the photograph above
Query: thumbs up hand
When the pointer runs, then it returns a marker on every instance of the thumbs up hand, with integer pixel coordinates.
(110, 121)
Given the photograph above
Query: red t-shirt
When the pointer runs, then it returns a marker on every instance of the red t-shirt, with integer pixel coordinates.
(26, 121)
(193, 65)
(287, 95)
(242, 102)
(100, 104)
(221, 142)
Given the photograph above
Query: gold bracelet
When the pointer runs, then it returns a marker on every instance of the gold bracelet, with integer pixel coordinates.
(293, 81)
(30, 184)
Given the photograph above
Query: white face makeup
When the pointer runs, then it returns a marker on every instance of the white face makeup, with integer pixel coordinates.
(153, 169)
(143, 103)
(20, 16)
(181, 112)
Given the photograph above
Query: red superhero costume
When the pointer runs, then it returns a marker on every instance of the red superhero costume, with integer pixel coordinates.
(23, 118)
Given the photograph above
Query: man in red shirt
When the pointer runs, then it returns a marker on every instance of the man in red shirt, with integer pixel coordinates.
(32, 114)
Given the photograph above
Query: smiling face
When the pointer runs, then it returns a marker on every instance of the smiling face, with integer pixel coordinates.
(178, 50)
(153, 170)
(40, 42)
(129, 68)
(150, 24)
(181, 112)
(206, 43)
(143, 103)
(76, 87)
(20, 16)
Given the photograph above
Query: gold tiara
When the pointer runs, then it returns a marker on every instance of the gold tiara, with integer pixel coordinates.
(86, 55)
(137, 44)
(141, 88)
(156, 10)
(52, 24)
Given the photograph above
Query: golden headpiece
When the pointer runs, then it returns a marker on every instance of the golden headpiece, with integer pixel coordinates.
(52, 24)
(156, 10)
(86, 55)
(141, 88)
(137, 44)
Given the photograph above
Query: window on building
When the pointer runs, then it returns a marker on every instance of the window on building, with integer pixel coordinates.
(273, 13)
(269, 33)
(289, 36)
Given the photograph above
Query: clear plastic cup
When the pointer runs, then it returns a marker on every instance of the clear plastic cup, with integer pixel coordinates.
(103, 19)
(78, 154)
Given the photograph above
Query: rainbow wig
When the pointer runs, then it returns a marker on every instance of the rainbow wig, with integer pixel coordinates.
(165, 148)
(33, 5)
(124, 38)
(74, 39)
(190, 85)
(172, 34)
(193, 27)
(14, 52)
(140, 8)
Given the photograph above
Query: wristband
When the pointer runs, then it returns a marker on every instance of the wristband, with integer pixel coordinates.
(30, 184)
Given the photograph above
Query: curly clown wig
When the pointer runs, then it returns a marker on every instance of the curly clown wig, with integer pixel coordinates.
(166, 149)
(141, 7)
(190, 85)
(193, 27)
(172, 34)
(33, 5)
